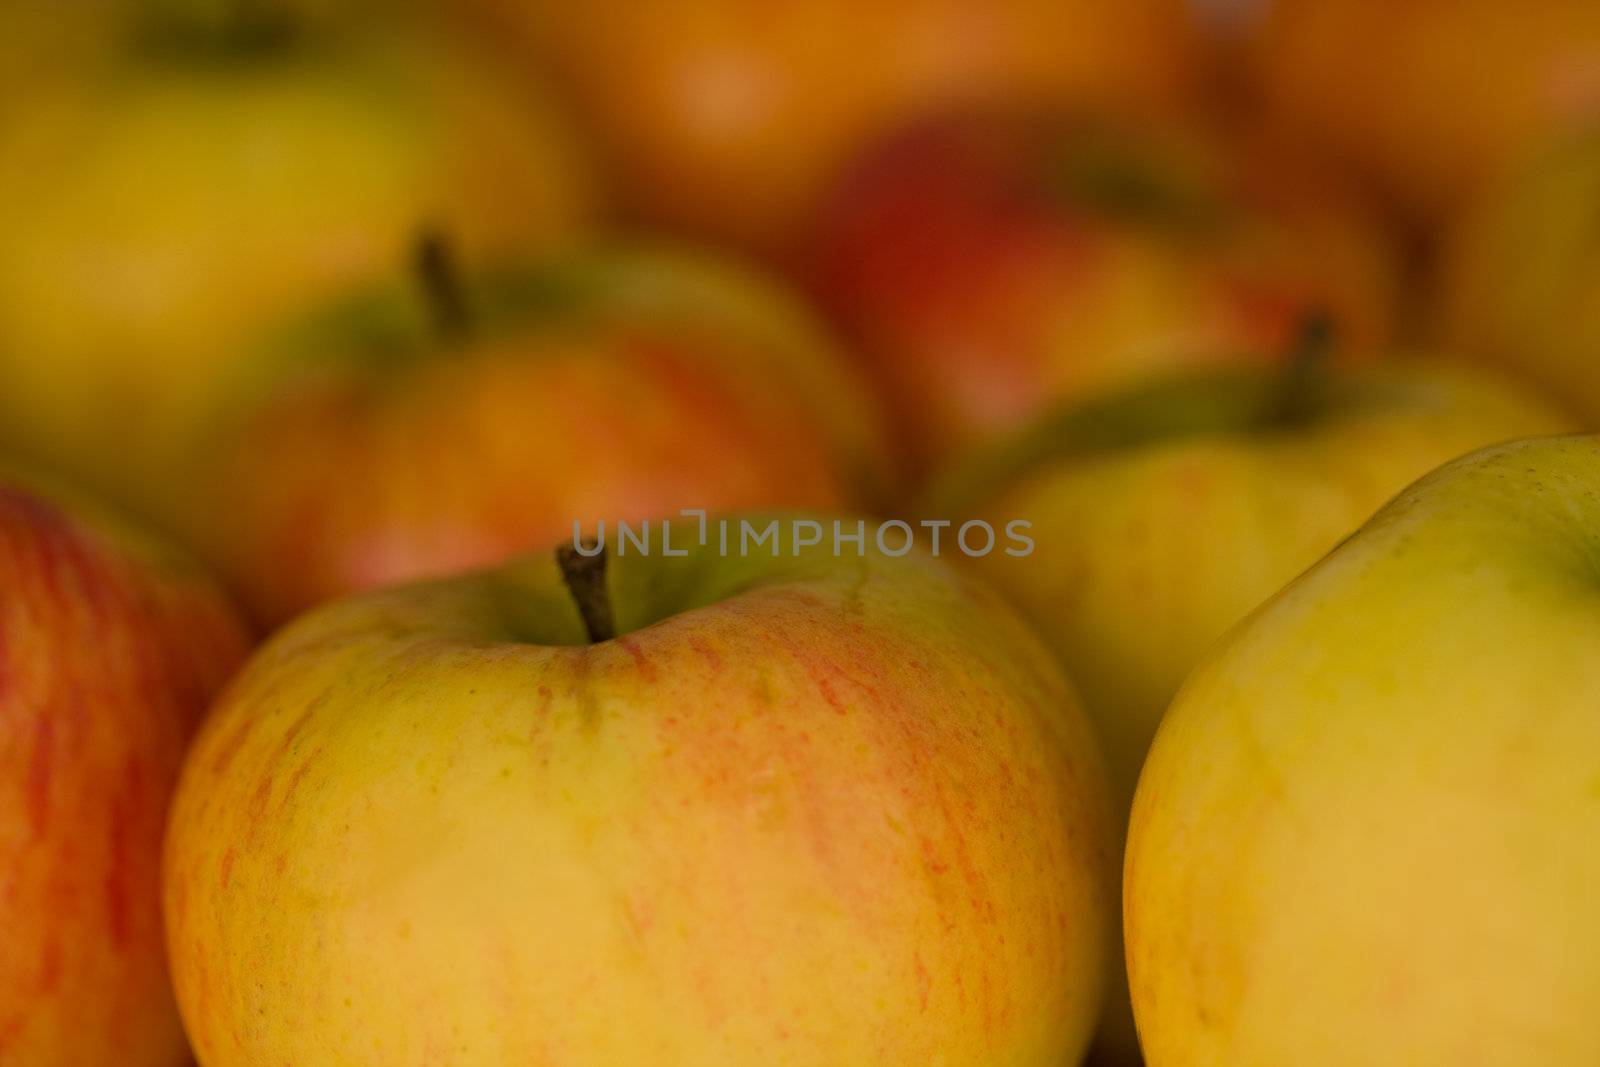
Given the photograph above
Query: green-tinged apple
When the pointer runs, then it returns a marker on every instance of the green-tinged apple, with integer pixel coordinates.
(441, 422)
(1430, 98)
(111, 646)
(994, 266)
(729, 118)
(1521, 274)
(1163, 517)
(197, 180)
(1367, 830)
(787, 807)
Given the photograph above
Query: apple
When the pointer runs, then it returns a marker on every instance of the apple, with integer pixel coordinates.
(162, 204)
(1429, 99)
(444, 422)
(111, 645)
(1521, 274)
(1164, 516)
(727, 119)
(1366, 831)
(818, 805)
(993, 266)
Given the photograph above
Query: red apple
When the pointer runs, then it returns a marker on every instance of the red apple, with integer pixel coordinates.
(993, 266)
(111, 645)
(729, 117)
(409, 432)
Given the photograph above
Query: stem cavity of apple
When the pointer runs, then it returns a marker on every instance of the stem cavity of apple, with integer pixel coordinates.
(435, 266)
(584, 571)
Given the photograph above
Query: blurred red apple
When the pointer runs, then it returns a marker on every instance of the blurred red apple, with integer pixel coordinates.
(111, 645)
(992, 266)
(198, 179)
(728, 117)
(1430, 97)
(409, 432)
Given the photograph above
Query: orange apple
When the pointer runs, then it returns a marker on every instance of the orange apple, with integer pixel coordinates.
(993, 266)
(1430, 97)
(416, 431)
(163, 202)
(111, 645)
(729, 117)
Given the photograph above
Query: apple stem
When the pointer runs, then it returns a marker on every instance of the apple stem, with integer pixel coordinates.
(1313, 345)
(435, 264)
(585, 575)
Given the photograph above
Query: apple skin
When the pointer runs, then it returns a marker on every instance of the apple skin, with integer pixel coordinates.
(727, 119)
(806, 809)
(993, 266)
(1164, 517)
(1431, 99)
(1521, 275)
(164, 203)
(111, 645)
(616, 384)
(1366, 831)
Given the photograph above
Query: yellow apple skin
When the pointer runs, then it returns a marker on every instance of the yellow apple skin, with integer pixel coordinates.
(111, 645)
(1366, 832)
(1430, 97)
(834, 810)
(1521, 275)
(161, 207)
(727, 118)
(1149, 552)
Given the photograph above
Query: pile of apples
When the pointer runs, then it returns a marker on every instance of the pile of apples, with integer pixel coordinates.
(493, 500)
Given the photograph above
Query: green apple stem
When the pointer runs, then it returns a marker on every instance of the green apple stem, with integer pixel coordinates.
(1307, 361)
(585, 575)
(441, 284)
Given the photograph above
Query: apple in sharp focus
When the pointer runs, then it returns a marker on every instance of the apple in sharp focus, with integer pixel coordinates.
(111, 645)
(728, 119)
(1429, 99)
(1367, 831)
(442, 422)
(1164, 516)
(992, 266)
(198, 180)
(1521, 274)
(785, 808)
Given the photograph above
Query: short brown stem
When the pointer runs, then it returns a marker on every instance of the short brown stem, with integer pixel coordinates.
(584, 572)
(435, 265)
(1308, 360)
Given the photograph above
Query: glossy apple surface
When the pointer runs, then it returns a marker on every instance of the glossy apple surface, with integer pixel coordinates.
(1366, 832)
(992, 267)
(163, 203)
(806, 809)
(728, 119)
(615, 385)
(110, 648)
(1164, 517)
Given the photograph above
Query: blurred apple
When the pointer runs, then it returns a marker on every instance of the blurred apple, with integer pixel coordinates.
(111, 645)
(161, 204)
(1165, 516)
(803, 808)
(994, 266)
(1367, 830)
(729, 117)
(440, 423)
(1430, 97)
(1521, 274)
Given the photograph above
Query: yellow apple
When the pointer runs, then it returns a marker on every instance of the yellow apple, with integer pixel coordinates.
(161, 205)
(1163, 517)
(1367, 830)
(785, 809)
(1521, 275)
(111, 645)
